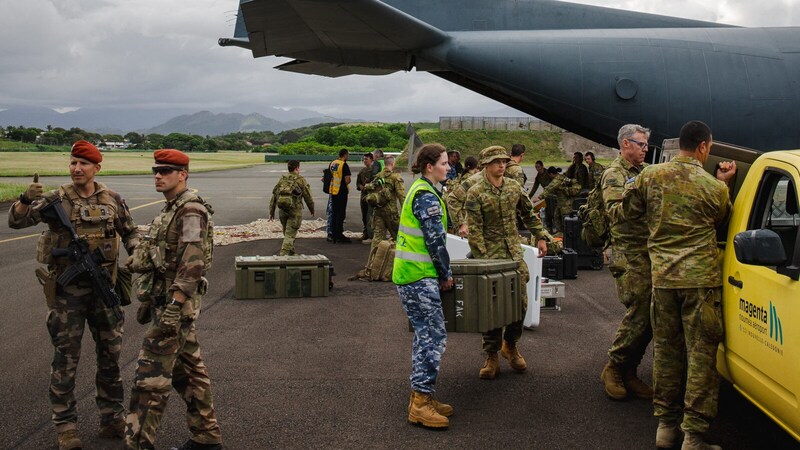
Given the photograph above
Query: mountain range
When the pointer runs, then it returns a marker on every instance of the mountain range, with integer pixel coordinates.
(174, 120)
(165, 121)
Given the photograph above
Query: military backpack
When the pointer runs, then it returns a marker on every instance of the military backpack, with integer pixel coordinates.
(379, 192)
(594, 220)
(288, 190)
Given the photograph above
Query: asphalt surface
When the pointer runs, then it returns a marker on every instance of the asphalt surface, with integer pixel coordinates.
(333, 372)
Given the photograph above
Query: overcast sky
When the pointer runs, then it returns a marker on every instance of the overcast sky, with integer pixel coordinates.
(156, 53)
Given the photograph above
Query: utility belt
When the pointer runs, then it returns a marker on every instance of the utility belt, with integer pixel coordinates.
(160, 300)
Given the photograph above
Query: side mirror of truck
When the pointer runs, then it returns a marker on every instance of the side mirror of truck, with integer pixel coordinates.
(759, 248)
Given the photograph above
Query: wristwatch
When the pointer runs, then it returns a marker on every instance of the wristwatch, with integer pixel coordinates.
(174, 301)
(24, 200)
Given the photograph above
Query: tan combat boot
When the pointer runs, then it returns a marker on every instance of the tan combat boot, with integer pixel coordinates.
(636, 386)
(113, 430)
(667, 434)
(611, 376)
(694, 441)
(511, 353)
(423, 413)
(69, 440)
(491, 368)
(442, 408)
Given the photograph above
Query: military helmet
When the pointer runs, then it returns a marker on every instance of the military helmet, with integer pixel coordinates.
(489, 154)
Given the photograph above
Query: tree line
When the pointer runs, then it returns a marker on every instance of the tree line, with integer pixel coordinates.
(326, 138)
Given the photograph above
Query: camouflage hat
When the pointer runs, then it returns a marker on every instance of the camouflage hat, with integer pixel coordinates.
(489, 154)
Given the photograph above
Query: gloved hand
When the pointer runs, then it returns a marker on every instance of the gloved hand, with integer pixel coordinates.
(34, 191)
(170, 320)
(144, 314)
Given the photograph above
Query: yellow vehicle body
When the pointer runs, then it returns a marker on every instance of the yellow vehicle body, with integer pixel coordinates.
(760, 355)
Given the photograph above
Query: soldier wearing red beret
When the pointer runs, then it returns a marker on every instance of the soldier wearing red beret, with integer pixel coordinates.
(172, 303)
(100, 216)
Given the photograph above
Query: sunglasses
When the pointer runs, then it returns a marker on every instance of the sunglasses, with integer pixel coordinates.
(640, 144)
(163, 170)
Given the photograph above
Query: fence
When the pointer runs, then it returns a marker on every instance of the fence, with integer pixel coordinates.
(495, 123)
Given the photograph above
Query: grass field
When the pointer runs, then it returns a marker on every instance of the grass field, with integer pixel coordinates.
(11, 191)
(23, 164)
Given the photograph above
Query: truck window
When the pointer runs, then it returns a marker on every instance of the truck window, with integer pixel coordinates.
(776, 208)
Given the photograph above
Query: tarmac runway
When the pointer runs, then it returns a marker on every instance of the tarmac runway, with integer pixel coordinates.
(333, 372)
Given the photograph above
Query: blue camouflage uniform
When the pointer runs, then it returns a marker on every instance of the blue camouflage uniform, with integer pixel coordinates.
(421, 299)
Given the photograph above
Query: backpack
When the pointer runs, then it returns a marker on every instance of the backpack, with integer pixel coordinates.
(381, 261)
(594, 220)
(378, 193)
(286, 194)
(327, 178)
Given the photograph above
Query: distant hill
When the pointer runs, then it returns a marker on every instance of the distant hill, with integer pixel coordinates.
(165, 121)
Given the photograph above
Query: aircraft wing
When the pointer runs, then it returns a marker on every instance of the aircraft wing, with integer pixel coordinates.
(341, 37)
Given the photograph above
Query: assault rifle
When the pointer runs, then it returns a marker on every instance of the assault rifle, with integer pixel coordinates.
(84, 262)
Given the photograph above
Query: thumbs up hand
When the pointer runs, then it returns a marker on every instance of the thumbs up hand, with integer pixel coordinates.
(34, 191)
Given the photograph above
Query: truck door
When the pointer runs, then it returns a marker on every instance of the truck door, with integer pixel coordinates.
(761, 305)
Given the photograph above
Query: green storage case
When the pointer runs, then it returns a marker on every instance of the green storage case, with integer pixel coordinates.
(282, 276)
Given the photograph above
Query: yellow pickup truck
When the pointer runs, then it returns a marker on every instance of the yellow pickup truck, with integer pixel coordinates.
(760, 355)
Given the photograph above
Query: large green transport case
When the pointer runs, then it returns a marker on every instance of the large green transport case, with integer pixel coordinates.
(486, 295)
(282, 276)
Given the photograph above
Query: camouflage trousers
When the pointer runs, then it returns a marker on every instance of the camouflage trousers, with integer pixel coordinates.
(634, 290)
(75, 306)
(366, 217)
(167, 362)
(687, 328)
(290, 222)
(384, 220)
(423, 305)
(493, 339)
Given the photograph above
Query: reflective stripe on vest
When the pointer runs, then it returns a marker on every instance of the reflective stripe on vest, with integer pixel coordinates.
(412, 262)
(336, 181)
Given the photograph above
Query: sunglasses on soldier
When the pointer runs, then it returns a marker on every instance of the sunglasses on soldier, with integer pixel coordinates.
(163, 170)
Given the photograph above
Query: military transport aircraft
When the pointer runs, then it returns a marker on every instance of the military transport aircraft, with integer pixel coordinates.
(586, 69)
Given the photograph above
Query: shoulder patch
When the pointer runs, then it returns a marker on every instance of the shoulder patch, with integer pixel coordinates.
(192, 228)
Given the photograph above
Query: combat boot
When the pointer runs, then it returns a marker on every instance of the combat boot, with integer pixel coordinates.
(667, 434)
(694, 441)
(423, 413)
(113, 430)
(636, 386)
(611, 376)
(69, 440)
(442, 408)
(491, 368)
(511, 353)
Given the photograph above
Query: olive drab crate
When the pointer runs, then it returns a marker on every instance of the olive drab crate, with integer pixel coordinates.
(282, 276)
(486, 295)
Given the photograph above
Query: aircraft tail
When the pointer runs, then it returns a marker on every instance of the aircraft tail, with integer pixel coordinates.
(333, 38)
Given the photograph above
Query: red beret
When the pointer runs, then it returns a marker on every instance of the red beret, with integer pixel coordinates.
(171, 156)
(87, 151)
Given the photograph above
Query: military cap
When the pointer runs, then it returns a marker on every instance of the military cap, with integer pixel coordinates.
(86, 150)
(489, 154)
(171, 157)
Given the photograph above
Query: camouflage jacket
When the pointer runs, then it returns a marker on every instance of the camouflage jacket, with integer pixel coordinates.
(579, 172)
(515, 171)
(595, 172)
(492, 219)
(458, 196)
(300, 191)
(627, 236)
(185, 248)
(363, 178)
(563, 188)
(683, 205)
(541, 180)
(102, 230)
(393, 189)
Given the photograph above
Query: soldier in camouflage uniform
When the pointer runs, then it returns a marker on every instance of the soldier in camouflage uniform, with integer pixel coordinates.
(595, 169)
(421, 269)
(388, 187)
(631, 270)
(492, 207)
(563, 189)
(101, 217)
(542, 179)
(684, 206)
(513, 168)
(288, 194)
(363, 178)
(175, 257)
